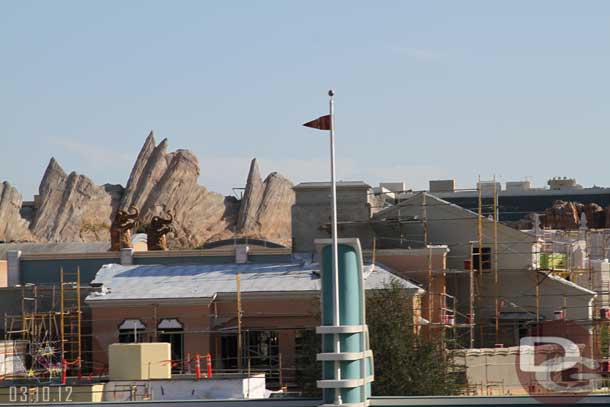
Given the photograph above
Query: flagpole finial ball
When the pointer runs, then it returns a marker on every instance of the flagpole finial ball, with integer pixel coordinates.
(331, 93)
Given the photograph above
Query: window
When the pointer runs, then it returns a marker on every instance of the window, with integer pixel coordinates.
(172, 331)
(131, 331)
(485, 259)
(260, 348)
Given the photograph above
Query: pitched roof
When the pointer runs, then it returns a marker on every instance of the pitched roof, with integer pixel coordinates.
(415, 202)
(204, 281)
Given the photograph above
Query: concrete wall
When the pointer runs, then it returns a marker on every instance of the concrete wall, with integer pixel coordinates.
(189, 389)
(413, 264)
(47, 270)
(312, 211)
(491, 371)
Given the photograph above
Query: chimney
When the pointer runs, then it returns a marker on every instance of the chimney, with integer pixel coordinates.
(241, 253)
(13, 258)
(127, 256)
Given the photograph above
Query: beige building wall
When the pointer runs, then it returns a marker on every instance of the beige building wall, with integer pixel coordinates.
(414, 264)
(3, 273)
(491, 371)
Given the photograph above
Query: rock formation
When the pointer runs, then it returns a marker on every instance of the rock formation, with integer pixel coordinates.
(562, 215)
(12, 226)
(251, 201)
(162, 181)
(274, 212)
(265, 210)
(71, 207)
(596, 215)
(566, 215)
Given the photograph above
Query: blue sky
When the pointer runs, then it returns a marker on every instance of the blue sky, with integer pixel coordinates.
(426, 89)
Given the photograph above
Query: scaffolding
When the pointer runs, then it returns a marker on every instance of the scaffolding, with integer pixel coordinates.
(53, 336)
(70, 317)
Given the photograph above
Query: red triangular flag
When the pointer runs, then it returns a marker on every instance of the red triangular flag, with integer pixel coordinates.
(321, 123)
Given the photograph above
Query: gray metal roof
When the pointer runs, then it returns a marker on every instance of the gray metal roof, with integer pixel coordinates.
(55, 248)
(324, 185)
(204, 281)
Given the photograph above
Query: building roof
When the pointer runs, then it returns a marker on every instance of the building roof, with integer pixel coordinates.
(415, 202)
(141, 282)
(54, 248)
(324, 185)
(567, 283)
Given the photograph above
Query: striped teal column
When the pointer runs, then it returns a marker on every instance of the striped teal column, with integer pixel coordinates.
(354, 356)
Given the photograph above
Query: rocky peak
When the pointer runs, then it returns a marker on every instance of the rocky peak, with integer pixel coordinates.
(265, 210)
(146, 173)
(12, 226)
(251, 200)
(72, 207)
(54, 175)
(138, 169)
(275, 211)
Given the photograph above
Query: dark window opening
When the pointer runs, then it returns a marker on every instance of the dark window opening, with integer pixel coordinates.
(260, 350)
(228, 351)
(175, 337)
(132, 331)
(129, 336)
(481, 261)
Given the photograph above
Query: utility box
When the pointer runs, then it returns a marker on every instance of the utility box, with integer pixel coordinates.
(139, 361)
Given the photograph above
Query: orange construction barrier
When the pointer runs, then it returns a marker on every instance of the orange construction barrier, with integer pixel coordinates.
(64, 370)
(197, 366)
(209, 365)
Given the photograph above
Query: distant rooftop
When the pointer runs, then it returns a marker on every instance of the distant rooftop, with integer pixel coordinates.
(206, 280)
(340, 184)
(556, 186)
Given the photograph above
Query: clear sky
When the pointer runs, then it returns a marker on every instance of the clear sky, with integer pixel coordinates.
(425, 89)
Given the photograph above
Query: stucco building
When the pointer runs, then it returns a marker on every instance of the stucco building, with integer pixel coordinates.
(194, 307)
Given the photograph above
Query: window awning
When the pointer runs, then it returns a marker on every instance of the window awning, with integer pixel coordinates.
(170, 323)
(132, 324)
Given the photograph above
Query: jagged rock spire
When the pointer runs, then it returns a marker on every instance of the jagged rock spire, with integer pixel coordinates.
(12, 226)
(138, 168)
(253, 195)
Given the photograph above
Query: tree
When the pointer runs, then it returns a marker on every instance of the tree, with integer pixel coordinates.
(308, 369)
(406, 364)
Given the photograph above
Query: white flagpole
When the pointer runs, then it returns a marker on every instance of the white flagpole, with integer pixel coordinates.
(336, 320)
